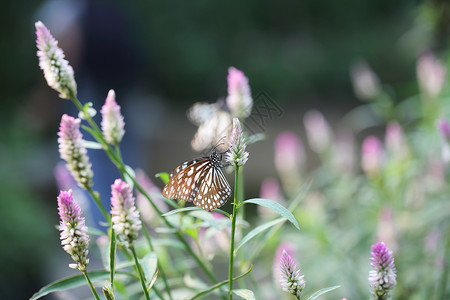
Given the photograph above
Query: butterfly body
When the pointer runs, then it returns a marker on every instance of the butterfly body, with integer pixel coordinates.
(201, 181)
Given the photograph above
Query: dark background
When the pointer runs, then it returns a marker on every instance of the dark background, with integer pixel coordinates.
(161, 57)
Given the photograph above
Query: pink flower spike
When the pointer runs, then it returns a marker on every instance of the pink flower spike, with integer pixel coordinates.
(72, 150)
(237, 156)
(382, 278)
(112, 120)
(57, 71)
(74, 238)
(125, 216)
(291, 280)
(239, 98)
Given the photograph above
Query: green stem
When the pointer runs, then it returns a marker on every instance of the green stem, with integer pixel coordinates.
(91, 286)
(233, 229)
(141, 273)
(96, 197)
(161, 270)
(218, 285)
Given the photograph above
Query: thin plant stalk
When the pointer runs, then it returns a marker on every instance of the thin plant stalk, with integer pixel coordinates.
(161, 270)
(233, 229)
(91, 286)
(96, 198)
(141, 273)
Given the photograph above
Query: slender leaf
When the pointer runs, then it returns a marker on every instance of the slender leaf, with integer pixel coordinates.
(245, 294)
(258, 230)
(112, 257)
(163, 176)
(149, 263)
(207, 217)
(129, 175)
(70, 283)
(323, 291)
(175, 211)
(276, 207)
(92, 145)
(217, 285)
(95, 231)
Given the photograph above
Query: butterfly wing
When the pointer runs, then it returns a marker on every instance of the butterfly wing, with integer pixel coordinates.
(213, 191)
(183, 178)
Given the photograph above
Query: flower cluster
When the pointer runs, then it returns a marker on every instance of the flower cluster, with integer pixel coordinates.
(383, 276)
(112, 120)
(72, 150)
(57, 71)
(125, 216)
(74, 238)
(239, 99)
(291, 280)
(237, 156)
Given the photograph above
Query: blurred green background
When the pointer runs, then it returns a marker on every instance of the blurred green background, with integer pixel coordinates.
(161, 57)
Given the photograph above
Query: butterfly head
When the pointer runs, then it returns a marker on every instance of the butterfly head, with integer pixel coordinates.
(216, 158)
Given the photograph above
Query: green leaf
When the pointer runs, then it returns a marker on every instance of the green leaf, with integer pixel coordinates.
(323, 291)
(245, 294)
(149, 263)
(163, 176)
(112, 255)
(207, 217)
(276, 207)
(175, 211)
(95, 231)
(129, 175)
(92, 145)
(70, 283)
(258, 230)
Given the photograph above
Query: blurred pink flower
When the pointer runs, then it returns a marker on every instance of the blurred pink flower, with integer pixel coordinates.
(318, 131)
(444, 128)
(365, 82)
(386, 230)
(148, 214)
(371, 155)
(239, 99)
(395, 140)
(344, 152)
(270, 189)
(289, 152)
(431, 74)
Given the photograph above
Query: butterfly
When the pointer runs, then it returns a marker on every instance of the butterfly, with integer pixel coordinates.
(200, 181)
(214, 123)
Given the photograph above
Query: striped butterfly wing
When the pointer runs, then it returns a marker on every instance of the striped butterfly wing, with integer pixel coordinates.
(213, 190)
(182, 179)
(201, 181)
